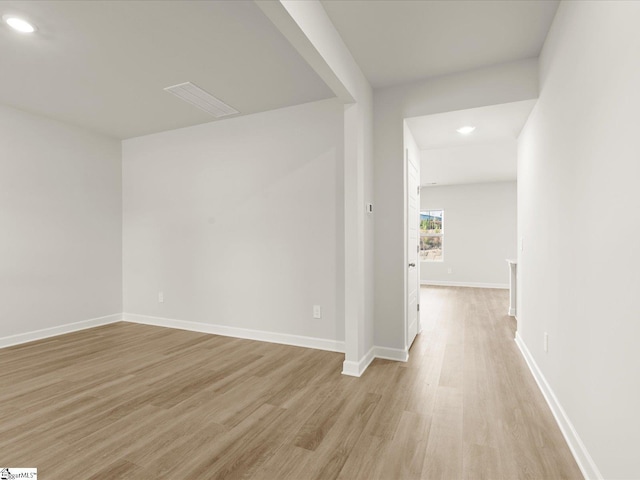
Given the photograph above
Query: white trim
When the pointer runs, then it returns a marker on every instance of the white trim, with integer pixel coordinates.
(396, 354)
(583, 459)
(356, 369)
(227, 331)
(351, 369)
(58, 330)
(512, 312)
(405, 219)
(407, 344)
(438, 283)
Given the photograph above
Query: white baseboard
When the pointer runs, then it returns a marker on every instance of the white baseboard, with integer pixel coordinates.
(351, 368)
(577, 447)
(397, 354)
(438, 283)
(58, 330)
(356, 369)
(248, 334)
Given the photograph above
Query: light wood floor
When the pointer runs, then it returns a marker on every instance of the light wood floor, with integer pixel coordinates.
(140, 402)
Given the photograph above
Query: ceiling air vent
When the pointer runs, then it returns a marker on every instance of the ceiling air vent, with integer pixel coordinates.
(203, 100)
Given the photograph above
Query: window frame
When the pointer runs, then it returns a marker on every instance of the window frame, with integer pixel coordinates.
(439, 235)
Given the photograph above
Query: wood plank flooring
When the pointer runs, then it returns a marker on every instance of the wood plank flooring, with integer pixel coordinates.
(141, 402)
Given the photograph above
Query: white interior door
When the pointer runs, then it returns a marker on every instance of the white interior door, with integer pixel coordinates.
(413, 239)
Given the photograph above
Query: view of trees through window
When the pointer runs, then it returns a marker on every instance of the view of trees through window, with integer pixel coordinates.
(431, 235)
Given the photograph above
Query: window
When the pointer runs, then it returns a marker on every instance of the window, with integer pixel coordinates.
(431, 235)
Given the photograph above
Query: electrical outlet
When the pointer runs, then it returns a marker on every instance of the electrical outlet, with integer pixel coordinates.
(160, 297)
(546, 342)
(450, 270)
(317, 311)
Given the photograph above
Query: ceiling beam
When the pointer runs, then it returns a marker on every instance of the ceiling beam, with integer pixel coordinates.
(282, 13)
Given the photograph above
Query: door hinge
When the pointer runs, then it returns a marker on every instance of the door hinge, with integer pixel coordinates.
(417, 248)
(418, 188)
(418, 307)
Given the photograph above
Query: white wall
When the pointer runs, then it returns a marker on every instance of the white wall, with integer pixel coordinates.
(239, 222)
(60, 219)
(480, 233)
(578, 204)
(488, 86)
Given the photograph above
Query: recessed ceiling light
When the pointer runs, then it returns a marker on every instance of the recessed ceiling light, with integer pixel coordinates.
(466, 130)
(18, 24)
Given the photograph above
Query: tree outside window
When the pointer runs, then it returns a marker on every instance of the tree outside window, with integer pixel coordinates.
(431, 235)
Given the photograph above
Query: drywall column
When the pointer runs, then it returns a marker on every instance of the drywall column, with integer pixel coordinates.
(310, 31)
(354, 239)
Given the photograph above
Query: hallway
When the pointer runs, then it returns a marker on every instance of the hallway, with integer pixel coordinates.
(474, 395)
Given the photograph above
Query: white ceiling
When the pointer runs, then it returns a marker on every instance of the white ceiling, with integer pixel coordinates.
(493, 123)
(399, 41)
(103, 64)
(493, 162)
(489, 154)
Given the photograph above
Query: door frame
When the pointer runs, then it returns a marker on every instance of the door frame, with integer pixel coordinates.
(406, 252)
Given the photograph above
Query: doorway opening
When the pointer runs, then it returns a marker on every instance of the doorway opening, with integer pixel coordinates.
(460, 213)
